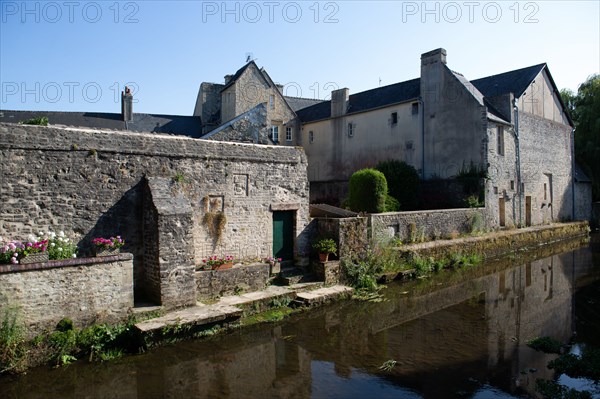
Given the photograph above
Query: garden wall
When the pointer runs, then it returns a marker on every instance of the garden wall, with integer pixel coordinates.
(421, 226)
(86, 290)
(240, 278)
(95, 183)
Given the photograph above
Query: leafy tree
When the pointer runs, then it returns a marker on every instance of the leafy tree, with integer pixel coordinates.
(403, 183)
(585, 112)
(368, 191)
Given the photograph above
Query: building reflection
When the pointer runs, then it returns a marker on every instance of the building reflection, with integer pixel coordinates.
(450, 335)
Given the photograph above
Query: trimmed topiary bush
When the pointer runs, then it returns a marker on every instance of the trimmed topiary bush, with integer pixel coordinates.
(368, 191)
(403, 183)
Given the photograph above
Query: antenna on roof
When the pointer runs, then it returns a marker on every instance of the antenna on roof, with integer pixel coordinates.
(249, 57)
(379, 82)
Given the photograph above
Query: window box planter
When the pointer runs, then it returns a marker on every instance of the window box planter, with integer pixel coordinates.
(39, 257)
(108, 252)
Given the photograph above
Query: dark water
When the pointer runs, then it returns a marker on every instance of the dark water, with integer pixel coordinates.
(456, 335)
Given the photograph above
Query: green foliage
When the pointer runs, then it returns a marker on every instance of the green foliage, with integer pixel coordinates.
(391, 204)
(367, 191)
(179, 177)
(12, 338)
(552, 389)
(363, 270)
(470, 177)
(545, 344)
(325, 246)
(587, 365)
(473, 201)
(65, 325)
(403, 183)
(477, 223)
(584, 108)
(40, 120)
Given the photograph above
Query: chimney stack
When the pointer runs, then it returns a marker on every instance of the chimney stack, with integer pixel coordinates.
(431, 57)
(127, 105)
(339, 102)
(228, 79)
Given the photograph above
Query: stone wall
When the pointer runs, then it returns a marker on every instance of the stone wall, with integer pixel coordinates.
(87, 290)
(350, 234)
(92, 182)
(240, 278)
(418, 226)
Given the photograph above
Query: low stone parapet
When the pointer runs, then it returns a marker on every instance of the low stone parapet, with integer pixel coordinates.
(86, 290)
(240, 278)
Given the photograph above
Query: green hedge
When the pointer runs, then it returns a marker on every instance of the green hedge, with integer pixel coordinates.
(368, 191)
(403, 183)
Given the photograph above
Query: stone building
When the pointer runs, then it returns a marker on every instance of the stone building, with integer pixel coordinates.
(513, 126)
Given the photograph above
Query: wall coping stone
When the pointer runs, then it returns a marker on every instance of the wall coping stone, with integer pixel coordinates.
(54, 264)
(285, 206)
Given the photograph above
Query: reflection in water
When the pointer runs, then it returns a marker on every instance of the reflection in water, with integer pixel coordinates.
(459, 334)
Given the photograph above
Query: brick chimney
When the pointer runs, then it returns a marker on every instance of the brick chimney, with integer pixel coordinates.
(127, 105)
(339, 102)
(228, 79)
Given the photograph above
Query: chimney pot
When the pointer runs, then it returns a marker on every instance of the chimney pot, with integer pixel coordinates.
(127, 105)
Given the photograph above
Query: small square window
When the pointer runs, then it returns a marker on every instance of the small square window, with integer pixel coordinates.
(288, 134)
(311, 136)
(394, 118)
(350, 129)
(415, 109)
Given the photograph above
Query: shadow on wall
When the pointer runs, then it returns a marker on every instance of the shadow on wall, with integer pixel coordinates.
(124, 218)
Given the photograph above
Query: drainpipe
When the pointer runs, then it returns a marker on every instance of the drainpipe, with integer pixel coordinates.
(422, 122)
(518, 161)
(573, 171)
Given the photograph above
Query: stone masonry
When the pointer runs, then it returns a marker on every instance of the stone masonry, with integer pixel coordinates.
(92, 290)
(93, 183)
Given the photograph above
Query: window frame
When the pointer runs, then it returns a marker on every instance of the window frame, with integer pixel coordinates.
(500, 140)
(288, 133)
(275, 133)
(350, 129)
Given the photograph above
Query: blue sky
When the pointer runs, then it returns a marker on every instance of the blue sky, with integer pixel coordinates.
(77, 55)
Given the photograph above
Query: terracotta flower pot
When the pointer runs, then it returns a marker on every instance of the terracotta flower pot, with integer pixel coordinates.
(227, 265)
(323, 257)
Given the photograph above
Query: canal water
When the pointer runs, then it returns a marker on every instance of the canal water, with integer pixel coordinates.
(459, 334)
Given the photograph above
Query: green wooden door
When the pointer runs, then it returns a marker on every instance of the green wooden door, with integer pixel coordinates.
(283, 235)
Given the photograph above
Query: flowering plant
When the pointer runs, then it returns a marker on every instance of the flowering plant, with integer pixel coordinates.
(214, 261)
(108, 243)
(272, 261)
(58, 246)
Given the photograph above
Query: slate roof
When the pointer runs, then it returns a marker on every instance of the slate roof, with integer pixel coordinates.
(173, 124)
(363, 101)
(515, 81)
(297, 103)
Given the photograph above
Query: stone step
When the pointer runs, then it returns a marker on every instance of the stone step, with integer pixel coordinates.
(295, 276)
(196, 316)
(324, 294)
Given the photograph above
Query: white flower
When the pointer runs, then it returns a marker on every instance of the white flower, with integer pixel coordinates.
(31, 238)
(52, 244)
(74, 256)
(52, 235)
(61, 233)
(59, 249)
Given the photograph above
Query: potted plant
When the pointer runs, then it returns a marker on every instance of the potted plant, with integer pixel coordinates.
(216, 263)
(108, 246)
(324, 247)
